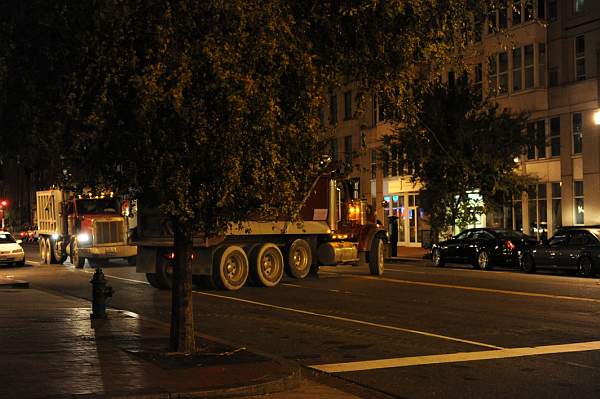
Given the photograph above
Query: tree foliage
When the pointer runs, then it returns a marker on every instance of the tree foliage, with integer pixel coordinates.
(458, 144)
(209, 108)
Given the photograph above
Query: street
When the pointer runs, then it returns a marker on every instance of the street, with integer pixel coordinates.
(416, 332)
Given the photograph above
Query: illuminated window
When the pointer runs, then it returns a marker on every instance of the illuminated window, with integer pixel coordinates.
(577, 133)
(578, 207)
(556, 206)
(538, 210)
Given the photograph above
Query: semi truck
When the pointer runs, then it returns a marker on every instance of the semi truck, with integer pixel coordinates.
(337, 228)
(82, 227)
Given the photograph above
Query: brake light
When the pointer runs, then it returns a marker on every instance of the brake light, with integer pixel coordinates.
(510, 245)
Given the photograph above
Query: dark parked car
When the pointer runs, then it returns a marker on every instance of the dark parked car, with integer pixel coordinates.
(483, 248)
(574, 249)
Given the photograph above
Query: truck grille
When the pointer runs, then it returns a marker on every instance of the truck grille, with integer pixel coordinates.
(108, 232)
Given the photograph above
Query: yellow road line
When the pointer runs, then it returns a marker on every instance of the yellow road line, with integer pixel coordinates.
(348, 320)
(467, 288)
(457, 357)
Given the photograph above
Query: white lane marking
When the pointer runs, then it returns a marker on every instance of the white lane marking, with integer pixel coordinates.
(292, 285)
(345, 319)
(457, 357)
(467, 288)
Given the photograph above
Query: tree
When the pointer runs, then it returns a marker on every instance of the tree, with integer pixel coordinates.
(210, 107)
(457, 145)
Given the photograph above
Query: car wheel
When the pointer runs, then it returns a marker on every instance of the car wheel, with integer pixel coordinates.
(528, 264)
(585, 267)
(483, 260)
(437, 258)
(42, 244)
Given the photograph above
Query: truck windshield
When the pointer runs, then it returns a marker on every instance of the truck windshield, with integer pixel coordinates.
(98, 205)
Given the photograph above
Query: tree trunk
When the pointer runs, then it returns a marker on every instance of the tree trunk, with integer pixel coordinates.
(183, 339)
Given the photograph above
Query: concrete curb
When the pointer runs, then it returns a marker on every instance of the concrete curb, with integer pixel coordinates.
(9, 283)
(404, 259)
(264, 388)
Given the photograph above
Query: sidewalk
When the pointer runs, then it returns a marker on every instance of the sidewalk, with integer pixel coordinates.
(407, 254)
(50, 348)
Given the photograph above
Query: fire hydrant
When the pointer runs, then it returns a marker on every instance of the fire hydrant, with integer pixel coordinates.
(100, 291)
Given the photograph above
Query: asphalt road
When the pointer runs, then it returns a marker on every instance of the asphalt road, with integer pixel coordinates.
(416, 332)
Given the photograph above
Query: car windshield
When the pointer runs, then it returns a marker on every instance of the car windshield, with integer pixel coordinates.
(98, 205)
(6, 238)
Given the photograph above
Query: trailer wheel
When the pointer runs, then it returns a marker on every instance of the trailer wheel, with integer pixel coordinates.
(230, 268)
(164, 273)
(266, 267)
(376, 258)
(42, 245)
(298, 259)
(76, 260)
(151, 277)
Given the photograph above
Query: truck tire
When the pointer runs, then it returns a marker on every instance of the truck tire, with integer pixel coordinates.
(266, 266)
(230, 268)
(298, 259)
(50, 258)
(376, 256)
(76, 260)
(163, 277)
(42, 245)
(59, 256)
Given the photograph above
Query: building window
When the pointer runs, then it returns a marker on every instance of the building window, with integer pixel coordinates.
(536, 133)
(378, 109)
(577, 133)
(538, 210)
(578, 202)
(503, 73)
(321, 116)
(552, 10)
(542, 63)
(541, 9)
(492, 76)
(528, 50)
(553, 77)
(502, 15)
(491, 20)
(579, 4)
(348, 105)
(348, 148)
(478, 80)
(516, 12)
(333, 149)
(518, 215)
(516, 75)
(333, 110)
(540, 138)
(580, 58)
(528, 13)
(373, 164)
(556, 206)
(555, 137)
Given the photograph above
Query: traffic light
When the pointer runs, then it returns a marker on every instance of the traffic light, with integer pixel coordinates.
(3, 203)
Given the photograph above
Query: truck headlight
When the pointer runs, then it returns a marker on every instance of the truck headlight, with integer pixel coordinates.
(83, 237)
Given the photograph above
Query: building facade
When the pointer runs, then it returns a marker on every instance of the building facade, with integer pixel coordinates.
(539, 56)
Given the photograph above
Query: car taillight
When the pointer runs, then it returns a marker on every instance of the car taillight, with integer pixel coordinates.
(510, 245)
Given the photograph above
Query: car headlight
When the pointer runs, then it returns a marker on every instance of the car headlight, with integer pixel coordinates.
(83, 237)
(17, 251)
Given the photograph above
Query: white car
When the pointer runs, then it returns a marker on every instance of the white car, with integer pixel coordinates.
(11, 251)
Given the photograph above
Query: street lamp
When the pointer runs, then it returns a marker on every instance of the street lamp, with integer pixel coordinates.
(597, 117)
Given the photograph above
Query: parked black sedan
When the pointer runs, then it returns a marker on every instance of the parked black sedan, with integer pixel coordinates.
(574, 249)
(483, 248)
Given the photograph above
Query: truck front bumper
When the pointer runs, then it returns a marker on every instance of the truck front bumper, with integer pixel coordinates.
(107, 252)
